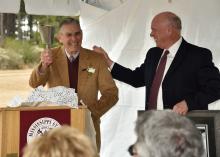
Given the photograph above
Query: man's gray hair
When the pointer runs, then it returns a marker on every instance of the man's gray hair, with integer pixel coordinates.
(167, 134)
(69, 20)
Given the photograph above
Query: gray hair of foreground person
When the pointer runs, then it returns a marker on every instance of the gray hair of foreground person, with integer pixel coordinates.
(60, 142)
(167, 134)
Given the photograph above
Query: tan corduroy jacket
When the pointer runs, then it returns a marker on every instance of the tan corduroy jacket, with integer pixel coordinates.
(89, 84)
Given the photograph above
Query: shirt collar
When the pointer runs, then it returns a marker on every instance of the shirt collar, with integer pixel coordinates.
(174, 48)
(74, 55)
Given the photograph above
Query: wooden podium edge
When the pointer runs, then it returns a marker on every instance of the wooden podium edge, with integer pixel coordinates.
(10, 120)
(26, 108)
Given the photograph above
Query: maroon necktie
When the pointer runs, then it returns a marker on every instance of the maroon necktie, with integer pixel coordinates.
(157, 81)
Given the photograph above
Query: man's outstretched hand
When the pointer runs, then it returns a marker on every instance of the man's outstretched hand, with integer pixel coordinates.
(100, 50)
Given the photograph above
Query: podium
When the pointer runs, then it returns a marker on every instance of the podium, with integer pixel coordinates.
(13, 122)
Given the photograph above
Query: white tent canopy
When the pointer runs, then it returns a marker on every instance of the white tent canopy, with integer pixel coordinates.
(52, 7)
(9, 6)
(122, 27)
(42, 7)
(55, 7)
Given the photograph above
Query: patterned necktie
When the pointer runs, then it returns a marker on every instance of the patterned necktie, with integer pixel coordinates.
(71, 58)
(157, 81)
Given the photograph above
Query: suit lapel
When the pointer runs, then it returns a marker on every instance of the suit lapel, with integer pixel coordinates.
(83, 60)
(178, 59)
(63, 72)
(82, 73)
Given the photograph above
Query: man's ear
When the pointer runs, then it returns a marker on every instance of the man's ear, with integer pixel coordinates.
(169, 30)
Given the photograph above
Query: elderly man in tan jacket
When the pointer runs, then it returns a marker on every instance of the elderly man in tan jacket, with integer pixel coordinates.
(72, 66)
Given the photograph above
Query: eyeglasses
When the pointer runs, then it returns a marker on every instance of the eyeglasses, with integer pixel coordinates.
(132, 151)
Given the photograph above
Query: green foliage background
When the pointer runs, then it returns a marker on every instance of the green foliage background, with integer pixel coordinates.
(18, 53)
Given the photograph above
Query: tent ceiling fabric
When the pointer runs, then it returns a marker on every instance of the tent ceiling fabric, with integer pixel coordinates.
(42, 7)
(7, 7)
(105, 4)
(55, 7)
(52, 7)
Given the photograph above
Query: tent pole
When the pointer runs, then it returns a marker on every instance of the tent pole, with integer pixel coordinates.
(1, 29)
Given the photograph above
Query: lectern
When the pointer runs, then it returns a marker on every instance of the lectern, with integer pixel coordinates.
(18, 125)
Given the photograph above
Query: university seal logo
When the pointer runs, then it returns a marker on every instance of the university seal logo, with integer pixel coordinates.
(40, 126)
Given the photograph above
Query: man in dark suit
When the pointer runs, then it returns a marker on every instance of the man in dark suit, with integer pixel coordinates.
(190, 80)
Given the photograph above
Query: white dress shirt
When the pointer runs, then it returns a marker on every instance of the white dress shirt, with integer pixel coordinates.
(172, 52)
(75, 55)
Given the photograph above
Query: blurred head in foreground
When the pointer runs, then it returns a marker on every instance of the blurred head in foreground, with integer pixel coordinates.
(166, 134)
(60, 142)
